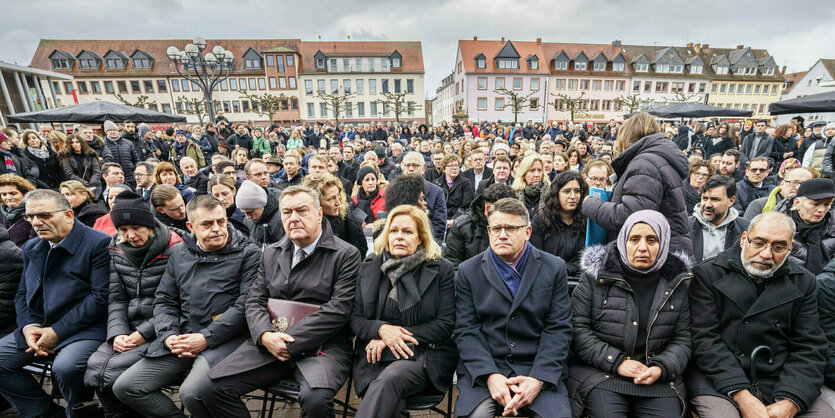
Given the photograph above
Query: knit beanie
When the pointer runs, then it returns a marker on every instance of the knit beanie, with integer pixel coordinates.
(364, 171)
(109, 125)
(250, 196)
(142, 129)
(130, 209)
(380, 151)
(3, 137)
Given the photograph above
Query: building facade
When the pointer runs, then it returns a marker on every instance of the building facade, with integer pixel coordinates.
(26, 89)
(817, 80)
(444, 102)
(743, 78)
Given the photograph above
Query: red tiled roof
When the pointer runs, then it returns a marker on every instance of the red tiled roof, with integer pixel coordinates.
(411, 52)
(553, 49)
(470, 48)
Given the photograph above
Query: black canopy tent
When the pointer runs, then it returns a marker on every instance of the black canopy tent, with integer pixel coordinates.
(815, 103)
(95, 112)
(693, 110)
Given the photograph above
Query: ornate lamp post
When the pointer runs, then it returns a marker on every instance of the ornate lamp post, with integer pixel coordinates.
(207, 71)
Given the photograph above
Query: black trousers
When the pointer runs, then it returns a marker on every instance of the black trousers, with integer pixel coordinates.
(385, 395)
(602, 403)
(222, 397)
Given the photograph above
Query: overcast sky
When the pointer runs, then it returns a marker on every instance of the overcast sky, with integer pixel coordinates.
(795, 32)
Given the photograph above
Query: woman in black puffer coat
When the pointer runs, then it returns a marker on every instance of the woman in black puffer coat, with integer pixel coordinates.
(559, 228)
(135, 273)
(631, 321)
(650, 170)
(9, 281)
(467, 236)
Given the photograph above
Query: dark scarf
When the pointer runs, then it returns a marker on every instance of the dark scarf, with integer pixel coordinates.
(136, 254)
(12, 214)
(9, 162)
(812, 235)
(364, 202)
(404, 290)
(180, 149)
(337, 225)
(534, 191)
(512, 277)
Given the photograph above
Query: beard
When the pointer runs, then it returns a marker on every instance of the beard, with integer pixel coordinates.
(713, 215)
(757, 272)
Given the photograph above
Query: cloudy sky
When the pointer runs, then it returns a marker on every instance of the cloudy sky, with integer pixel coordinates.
(795, 32)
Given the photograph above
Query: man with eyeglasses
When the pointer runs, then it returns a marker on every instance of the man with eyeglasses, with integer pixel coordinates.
(596, 174)
(788, 187)
(756, 183)
(755, 310)
(257, 172)
(513, 323)
(715, 225)
(61, 307)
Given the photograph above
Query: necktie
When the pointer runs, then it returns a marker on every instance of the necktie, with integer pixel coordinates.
(300, 255)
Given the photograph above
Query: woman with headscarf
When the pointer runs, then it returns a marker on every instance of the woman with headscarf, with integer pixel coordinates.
(631, 323)
(530, 183)
(559, 228)
(370, 198)
(403, 316)
(82, 201)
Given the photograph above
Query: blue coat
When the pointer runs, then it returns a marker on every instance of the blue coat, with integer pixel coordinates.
(436, 203)
(528, 335)
(65, 287)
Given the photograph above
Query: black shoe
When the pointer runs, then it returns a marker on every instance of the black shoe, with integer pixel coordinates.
(89, 409)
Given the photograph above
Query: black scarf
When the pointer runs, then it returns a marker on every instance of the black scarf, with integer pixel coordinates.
(404, 290)
(364, 202)
(12, 214)
(812, 235)
(337, 225)
(136, 254)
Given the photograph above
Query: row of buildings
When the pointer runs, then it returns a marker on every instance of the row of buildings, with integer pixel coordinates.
(601, 81)
(130, 69)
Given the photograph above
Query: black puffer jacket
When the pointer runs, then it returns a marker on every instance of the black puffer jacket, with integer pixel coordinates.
(566, 242)
(132, 286)
(122, 152)
(49, 168)
(268, 229)
(466, 238)
(604, 316)
(692, 197)
(9, 280)
(649, 177)
(87, 171)
(89, 212)
(826, 311)
(800, 251)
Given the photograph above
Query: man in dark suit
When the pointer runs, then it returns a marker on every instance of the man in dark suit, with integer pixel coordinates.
(308, 265)
(144, 180)
(500, 174)
(513, 323)
(756, 144)
(413, 163)
(61, 307)
(480, 171)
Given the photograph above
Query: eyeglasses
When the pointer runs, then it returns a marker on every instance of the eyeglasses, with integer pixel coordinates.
(758, 170)
(597, 180)
(511, 229)
(43, 216)
(761, 245)
(699, 175)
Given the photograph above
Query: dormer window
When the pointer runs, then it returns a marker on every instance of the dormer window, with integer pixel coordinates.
(618, 66)
(88, 63)
(560, 65)
(534, 64)
(481, 63)
(768, 71)
(580, 65)
(504, 63)
(252, 60)
(141, 63)
(252, 64)
(61, 60)
(695, 69)
(115, 64)
(395, 63)
(642, 68)
(746, 71)
(722, 70)
(599, 66)
(320, 63)
(61, 64)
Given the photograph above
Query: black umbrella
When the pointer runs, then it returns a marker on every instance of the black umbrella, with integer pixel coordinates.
(95, 112)
(696, 110)
(816, 103)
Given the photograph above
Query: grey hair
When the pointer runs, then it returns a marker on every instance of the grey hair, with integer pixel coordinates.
(416, 154)
(292, 190)
(768, 216)
(187, 159)
(60, 202)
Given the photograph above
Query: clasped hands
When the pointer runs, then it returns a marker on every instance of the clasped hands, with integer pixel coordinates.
(41, 341)
(276, 343)
(187, 345)
(640, 374)
(127, 342)
(513, 393)
(395, 339)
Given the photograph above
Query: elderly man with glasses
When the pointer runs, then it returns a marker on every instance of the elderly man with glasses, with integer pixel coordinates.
(61, 307)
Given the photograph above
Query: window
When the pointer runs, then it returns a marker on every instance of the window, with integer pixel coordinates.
(534, 84)
(385, 85)
(678, 87)
(153, 107)
(596, 85)
(252, 84)
(323, 110)
(308, 87)
(572, 84)
(395, 62)
(245, 105)
(773, 89)
(397, 84)
(482, 83)
(68, 87)
(499, 104)
(236, 106)
(534, 64)
(82, 87)
(311, 110)
(373, 108)
(186, 85)
(534, 103)
(179, 107)
(559, 84)
(560, 65)
(195, 86)
(714, 87)
(292, 82)
(273, 84)
(332, 65)
(661, 86)
(499, 83)
(372, 87)
(517, 83)
(96, 87)
(600, 66)
(262, 84)
(252, 64)
(361, 109)
(123, 86)
(721, 70)
(482, 103)
(320, 85)
(346, 86)
(149, 86)
(691, 87)
(134, 87)
(61, 64)
(334, 86)
(290, 61)
(731, 88)
(761, 109)
(320, 63)
(606, 105)
(56, 86)
(505, 63)
(702, 87)
(410, 86)
(745, 106)
(270, 60)
(349, 110)
(580, 65)
(584, 84)
(141, 63)
(88, 64)
(647, 86)
(161, 87)
(642, 68)
(233, 84)
(108, 87)
(480, 63)
(768, 71)
(618, 66)
(279, 63)
(695, 69)
(748, 89)
(594, 105)
(756, 89)
(360, 87)
(636, 86)
(371, 68)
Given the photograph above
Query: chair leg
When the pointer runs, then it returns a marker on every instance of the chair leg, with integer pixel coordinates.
(449, 404)
(348, 396)
(264, 405)
(272, 406)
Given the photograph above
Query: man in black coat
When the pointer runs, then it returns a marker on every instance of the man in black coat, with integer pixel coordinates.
(467, 237)
(309, 265)
(195, 180)
(500, 174)
(757, 143)
(756, 183)
(120, 151)
(198, 313)
(750, 296)
(480, 171)
(513, 323)
(240, 139)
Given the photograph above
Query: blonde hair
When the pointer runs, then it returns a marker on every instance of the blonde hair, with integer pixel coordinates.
(76, 187)
(424, 229)
(323, 181)
(524, 167)
(24, 137)
(636, 127)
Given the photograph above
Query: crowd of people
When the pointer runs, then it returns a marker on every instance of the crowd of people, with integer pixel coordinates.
(146, 258)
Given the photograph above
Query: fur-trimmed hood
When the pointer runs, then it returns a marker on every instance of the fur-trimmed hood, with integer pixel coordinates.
(596, 258)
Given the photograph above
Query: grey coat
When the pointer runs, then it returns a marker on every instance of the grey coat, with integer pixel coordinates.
(327, 277)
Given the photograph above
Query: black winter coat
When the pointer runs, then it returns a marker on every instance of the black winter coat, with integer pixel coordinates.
(199, 184)
(729, 320)
(746, 192)
(800, 251)
(458, 197)
(649, 177)
(89, 212)
(88, 171)
(466, 238)
(9, 280)
(604, 316)
(565, 242)
(268, 229)
(826, 310)
(782, 146)
(435, 280)
(49, 168)
(692, 197)
(122, 152)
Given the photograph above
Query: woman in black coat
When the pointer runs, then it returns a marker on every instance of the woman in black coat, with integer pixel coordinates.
(631, 323)
(559, 228)
(345, 219)
(785, 145)
(459, 191)
(403, 316)
(44, 158)
(82, 202)
(467, 236)
(9, 280)
(139, 254)
(79, 162)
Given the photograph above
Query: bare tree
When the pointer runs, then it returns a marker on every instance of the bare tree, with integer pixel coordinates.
(141, 101)
(397, 103)
(194, 106)
(267, 104)
(682, 97)
(572, 105)
(632, 102)
(337, 103)
(517, 102)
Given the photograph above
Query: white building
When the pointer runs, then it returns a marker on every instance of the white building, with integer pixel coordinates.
(817, 80)
(443, 105)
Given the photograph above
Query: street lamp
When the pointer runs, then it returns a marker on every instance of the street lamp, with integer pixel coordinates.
(206, 71)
